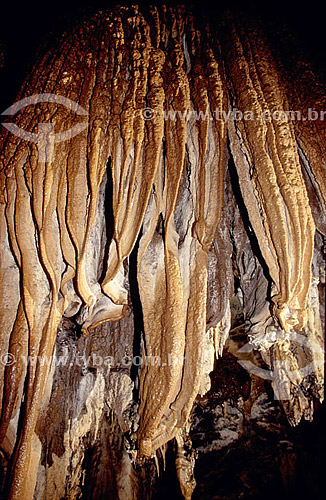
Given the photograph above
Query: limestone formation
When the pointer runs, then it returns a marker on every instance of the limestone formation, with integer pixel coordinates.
(133, 222)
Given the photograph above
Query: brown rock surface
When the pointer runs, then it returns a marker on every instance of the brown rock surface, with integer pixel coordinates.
(132, 252)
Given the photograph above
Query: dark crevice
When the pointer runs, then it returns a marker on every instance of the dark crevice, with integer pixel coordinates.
(138, 314)
(167, 485)
(245, 217)
(108, 213)
(98, 480)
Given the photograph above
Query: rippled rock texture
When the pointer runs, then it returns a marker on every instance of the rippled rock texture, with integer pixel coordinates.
(176, 222)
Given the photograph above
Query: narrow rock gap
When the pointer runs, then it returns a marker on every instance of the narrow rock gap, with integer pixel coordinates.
(108, 213)
(138, 314)
(245, 216)
(167, 485)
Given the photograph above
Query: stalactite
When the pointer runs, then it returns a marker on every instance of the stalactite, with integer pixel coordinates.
(270, 148)
(157, 87)
(273, 186)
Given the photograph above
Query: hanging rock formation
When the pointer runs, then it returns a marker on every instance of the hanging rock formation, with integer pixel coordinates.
(129, 229)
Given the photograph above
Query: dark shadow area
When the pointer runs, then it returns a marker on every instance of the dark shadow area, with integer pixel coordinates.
(245, 216)
(167, 485)
(253, 453)
(138, 314)
(100, 464)
(108, 214)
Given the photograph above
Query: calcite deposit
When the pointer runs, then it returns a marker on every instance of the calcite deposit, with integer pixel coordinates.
(128, 236)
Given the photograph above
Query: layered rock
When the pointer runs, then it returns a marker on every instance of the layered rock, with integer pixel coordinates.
(132, 221)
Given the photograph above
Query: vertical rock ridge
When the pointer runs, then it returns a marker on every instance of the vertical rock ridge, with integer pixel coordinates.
(158, 87)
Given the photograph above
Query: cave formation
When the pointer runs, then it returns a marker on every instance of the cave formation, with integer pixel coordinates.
(169, 224)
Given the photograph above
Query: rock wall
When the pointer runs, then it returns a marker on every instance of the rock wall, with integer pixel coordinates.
(181, 208)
